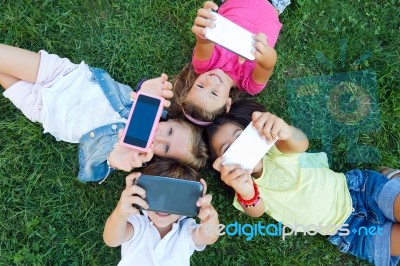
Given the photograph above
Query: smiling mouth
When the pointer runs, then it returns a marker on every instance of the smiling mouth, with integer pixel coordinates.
(162, 214)
(215, 76)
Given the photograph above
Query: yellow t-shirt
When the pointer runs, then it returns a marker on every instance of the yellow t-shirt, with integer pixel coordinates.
(299, 189)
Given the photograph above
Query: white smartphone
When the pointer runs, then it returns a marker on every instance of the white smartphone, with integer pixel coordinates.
(231, 36)
(248, 149)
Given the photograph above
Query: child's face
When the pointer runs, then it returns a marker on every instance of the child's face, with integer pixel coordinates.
(224, 137)
(211, 90)
(162, 220)
(172, 140)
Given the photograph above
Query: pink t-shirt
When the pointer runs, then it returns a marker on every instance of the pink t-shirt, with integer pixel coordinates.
(256, 16)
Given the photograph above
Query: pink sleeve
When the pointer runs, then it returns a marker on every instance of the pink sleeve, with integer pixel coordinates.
(248, 84)
(204, 66)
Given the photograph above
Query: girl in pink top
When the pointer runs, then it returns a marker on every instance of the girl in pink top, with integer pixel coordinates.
(204, 88)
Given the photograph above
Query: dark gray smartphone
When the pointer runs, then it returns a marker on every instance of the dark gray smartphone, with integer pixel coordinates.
(171, 195)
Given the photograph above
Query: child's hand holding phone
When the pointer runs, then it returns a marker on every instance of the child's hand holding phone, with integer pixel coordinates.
(271, 127)
(131, 196)
(208, 232)
(265, 55)
(203, 20)
(207, 212)
(235, 177)
(126, 159)
(160, 87)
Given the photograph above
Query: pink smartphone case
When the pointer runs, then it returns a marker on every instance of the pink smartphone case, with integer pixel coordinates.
(155, 124)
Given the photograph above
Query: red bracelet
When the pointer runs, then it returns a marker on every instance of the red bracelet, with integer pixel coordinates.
(251, 202)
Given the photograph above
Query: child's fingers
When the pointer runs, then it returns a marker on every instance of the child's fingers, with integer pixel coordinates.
(166, 94)
(206, 14)
(133, 95)
(255, 115)
(139, 191)
(134, 190)
(120, 132)
(164, 77)
(276, 128)
(260, 120)
(210, 5)
(217, 165)
(167, 104)
(230, 178)
(205, 212)
(268, 126)
(261, 48)
(167, 85)
(203, 23)
(199, 31)
(205, 200)
(203, 182)
(129, 180)
(227, 169)
(148, 155)
(261, 37)
(139, 201)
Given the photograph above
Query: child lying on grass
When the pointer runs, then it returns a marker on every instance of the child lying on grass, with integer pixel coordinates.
(298, 188)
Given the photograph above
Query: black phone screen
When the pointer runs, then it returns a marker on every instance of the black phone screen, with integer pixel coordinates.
(142, 121)
(171, 195)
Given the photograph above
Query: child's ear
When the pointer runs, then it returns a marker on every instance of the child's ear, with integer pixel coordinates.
(228, 104)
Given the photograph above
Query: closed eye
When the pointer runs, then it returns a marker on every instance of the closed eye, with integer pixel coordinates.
(213, 93)
(170, 132)
(225, 148)
(200, 86)
(166, 148)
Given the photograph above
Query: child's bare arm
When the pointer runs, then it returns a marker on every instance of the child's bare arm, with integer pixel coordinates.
(241, 181)
(290, 139)
(207, 233)
(117, 230)
(265, 58)
(204, 48)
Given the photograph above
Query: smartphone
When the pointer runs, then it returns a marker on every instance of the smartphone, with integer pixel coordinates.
(248, 149)
(171, 195)
(231, 36)
(142, 122)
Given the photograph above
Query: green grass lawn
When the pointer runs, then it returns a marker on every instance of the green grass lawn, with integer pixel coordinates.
(49, 218)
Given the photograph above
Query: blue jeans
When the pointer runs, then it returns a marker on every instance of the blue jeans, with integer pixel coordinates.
(370, 224)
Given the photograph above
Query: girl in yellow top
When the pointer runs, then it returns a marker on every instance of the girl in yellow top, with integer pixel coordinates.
(299, 190)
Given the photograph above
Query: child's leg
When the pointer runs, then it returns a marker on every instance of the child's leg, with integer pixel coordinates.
(395, 240)
(393, 173)
(17, 64)
(7, 81)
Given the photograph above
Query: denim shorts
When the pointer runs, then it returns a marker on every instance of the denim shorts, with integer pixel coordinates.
(366, 232)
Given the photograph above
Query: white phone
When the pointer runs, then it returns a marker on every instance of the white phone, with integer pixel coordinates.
(248, 149)
(231, 36)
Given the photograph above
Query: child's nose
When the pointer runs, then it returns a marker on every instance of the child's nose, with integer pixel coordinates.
(159, 139)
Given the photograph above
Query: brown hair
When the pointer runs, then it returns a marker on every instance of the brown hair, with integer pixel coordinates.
(182, 84)
(167, 167)
(197, 147)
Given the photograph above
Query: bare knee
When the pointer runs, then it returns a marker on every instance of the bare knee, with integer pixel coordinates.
(7, 81)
